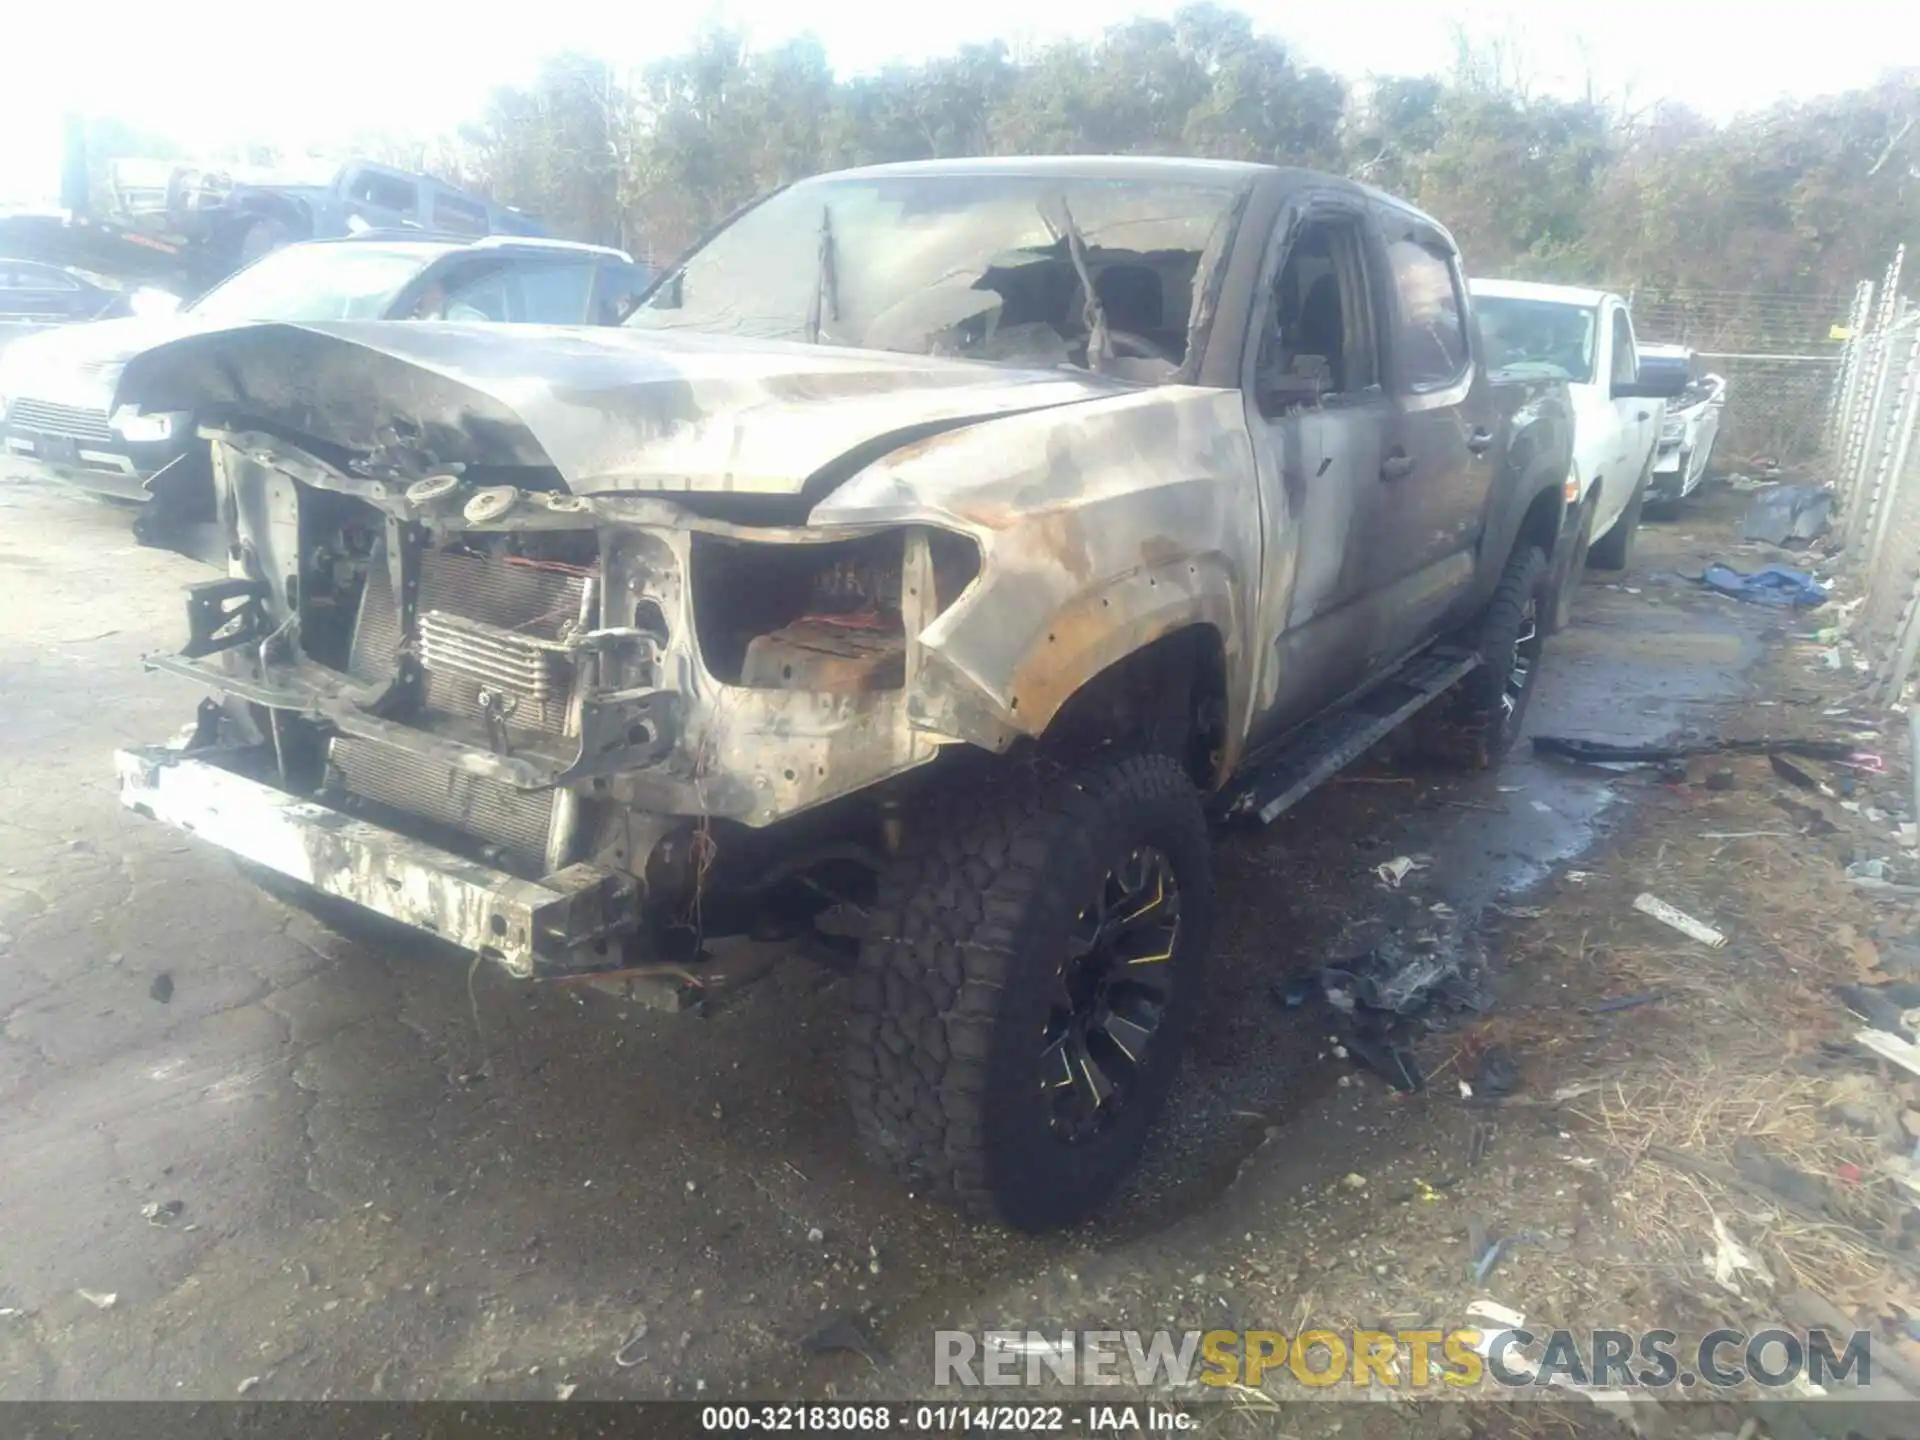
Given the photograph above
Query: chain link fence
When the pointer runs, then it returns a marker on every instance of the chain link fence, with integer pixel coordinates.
(1869, 442)
(1780, 355)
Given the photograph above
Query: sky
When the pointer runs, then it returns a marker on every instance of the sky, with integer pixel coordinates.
(214, 73)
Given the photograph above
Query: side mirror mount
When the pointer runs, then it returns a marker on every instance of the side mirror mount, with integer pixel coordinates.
(1662, 385)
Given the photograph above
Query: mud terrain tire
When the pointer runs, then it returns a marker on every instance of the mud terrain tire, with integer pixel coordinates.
(970, 951)
(1475, 727)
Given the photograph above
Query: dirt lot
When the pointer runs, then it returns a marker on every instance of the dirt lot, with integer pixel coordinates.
(378, 1174)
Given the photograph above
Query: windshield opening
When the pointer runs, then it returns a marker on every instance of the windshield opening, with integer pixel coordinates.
(1020, 270)
(333, 281)
(1538, 332)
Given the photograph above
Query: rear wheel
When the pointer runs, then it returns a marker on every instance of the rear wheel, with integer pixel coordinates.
(1026, 984)
(1477, 725)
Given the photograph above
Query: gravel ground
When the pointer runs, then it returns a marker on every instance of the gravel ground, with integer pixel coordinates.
(382, 1175)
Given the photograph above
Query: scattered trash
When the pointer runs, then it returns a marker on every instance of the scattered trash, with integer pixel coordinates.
(1626, 1002)
(842, 1335)
(1392, 1063)
(1902, 1052)
(1679, 920)
(162, 987)
(1393, 871)
(162, 1212)
(1774, 585)
(816, 1235)
(1595, 752)
(100, 1300)
(1848, 1171)
(1541, 806)
(1888, 1005)
(1498, 1073)
(248, 1385)
(1792, 773)
(564, 1391)
(1397, 977)
(1354, 1181)
(1730, 1259)
(1296, 990)
(1788, 514)
(1498, 1314)
(1579, 877)
(629, 1354)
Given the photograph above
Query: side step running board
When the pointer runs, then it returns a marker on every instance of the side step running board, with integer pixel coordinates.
(1324, 747)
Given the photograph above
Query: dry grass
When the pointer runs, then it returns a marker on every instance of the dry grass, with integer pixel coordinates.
(1728, 1063)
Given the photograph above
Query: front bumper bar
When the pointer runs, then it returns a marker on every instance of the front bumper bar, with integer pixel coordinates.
(560, 924)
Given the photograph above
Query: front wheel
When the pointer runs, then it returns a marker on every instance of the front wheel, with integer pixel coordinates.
(1569, 565)
(1615, 548)
(1026, 984)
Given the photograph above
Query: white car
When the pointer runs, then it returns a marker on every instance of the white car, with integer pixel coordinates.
(1692, 423)
(1587, 336)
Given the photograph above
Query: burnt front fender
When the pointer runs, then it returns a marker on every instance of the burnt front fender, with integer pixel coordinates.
(1101, 532)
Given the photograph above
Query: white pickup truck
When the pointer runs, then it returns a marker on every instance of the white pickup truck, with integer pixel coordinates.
(1586, 335)
(1692, 424)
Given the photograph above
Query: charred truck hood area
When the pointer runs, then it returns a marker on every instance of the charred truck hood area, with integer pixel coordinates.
(529, 636)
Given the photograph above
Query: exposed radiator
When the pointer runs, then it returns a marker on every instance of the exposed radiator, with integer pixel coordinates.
(464, 602)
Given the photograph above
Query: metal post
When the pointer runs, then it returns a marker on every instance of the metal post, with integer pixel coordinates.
(1893, 465)
(1846, 382)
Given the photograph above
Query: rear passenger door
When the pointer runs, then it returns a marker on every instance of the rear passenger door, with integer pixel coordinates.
(1437, 475)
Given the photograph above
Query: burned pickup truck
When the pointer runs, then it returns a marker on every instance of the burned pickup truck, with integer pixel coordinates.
(927, 558)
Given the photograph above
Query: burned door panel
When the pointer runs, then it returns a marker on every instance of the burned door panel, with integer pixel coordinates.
(1441, 469)
(1320, 418)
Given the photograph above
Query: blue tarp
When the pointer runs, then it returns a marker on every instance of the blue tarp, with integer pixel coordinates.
(1775, 585)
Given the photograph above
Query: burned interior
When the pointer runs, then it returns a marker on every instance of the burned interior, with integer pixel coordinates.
(1108, 275)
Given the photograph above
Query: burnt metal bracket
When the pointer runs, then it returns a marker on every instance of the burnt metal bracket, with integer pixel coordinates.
(625, 730)
(405, 545)
(222, 614)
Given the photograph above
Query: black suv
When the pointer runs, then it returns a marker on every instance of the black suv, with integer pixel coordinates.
(56, 386)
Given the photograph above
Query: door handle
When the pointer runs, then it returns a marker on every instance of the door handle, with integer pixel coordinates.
(1396, 466)
(1480, 441)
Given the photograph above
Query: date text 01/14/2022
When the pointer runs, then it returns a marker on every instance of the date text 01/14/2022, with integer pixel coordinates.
(937, 1419)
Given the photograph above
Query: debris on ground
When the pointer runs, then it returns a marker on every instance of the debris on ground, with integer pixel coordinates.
(1793, 774)
(248, 1385)
(1498, 1073)
(1771, 585)
(1788, 514)
(1393, 871)
(842, 1334)
(630, 1354)
(1625, 1002)
(162, 987)
(99, 1299)
(162, 1212)
(1401, 977)
(1601, 752)
(1679, 920)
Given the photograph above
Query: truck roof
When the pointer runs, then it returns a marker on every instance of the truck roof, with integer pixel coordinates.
(1131, 167)
(1535, 290)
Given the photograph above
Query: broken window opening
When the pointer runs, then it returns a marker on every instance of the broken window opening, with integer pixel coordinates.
(978, 267)
(1319, 340)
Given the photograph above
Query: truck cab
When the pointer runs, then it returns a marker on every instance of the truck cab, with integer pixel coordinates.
(1587, 336)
